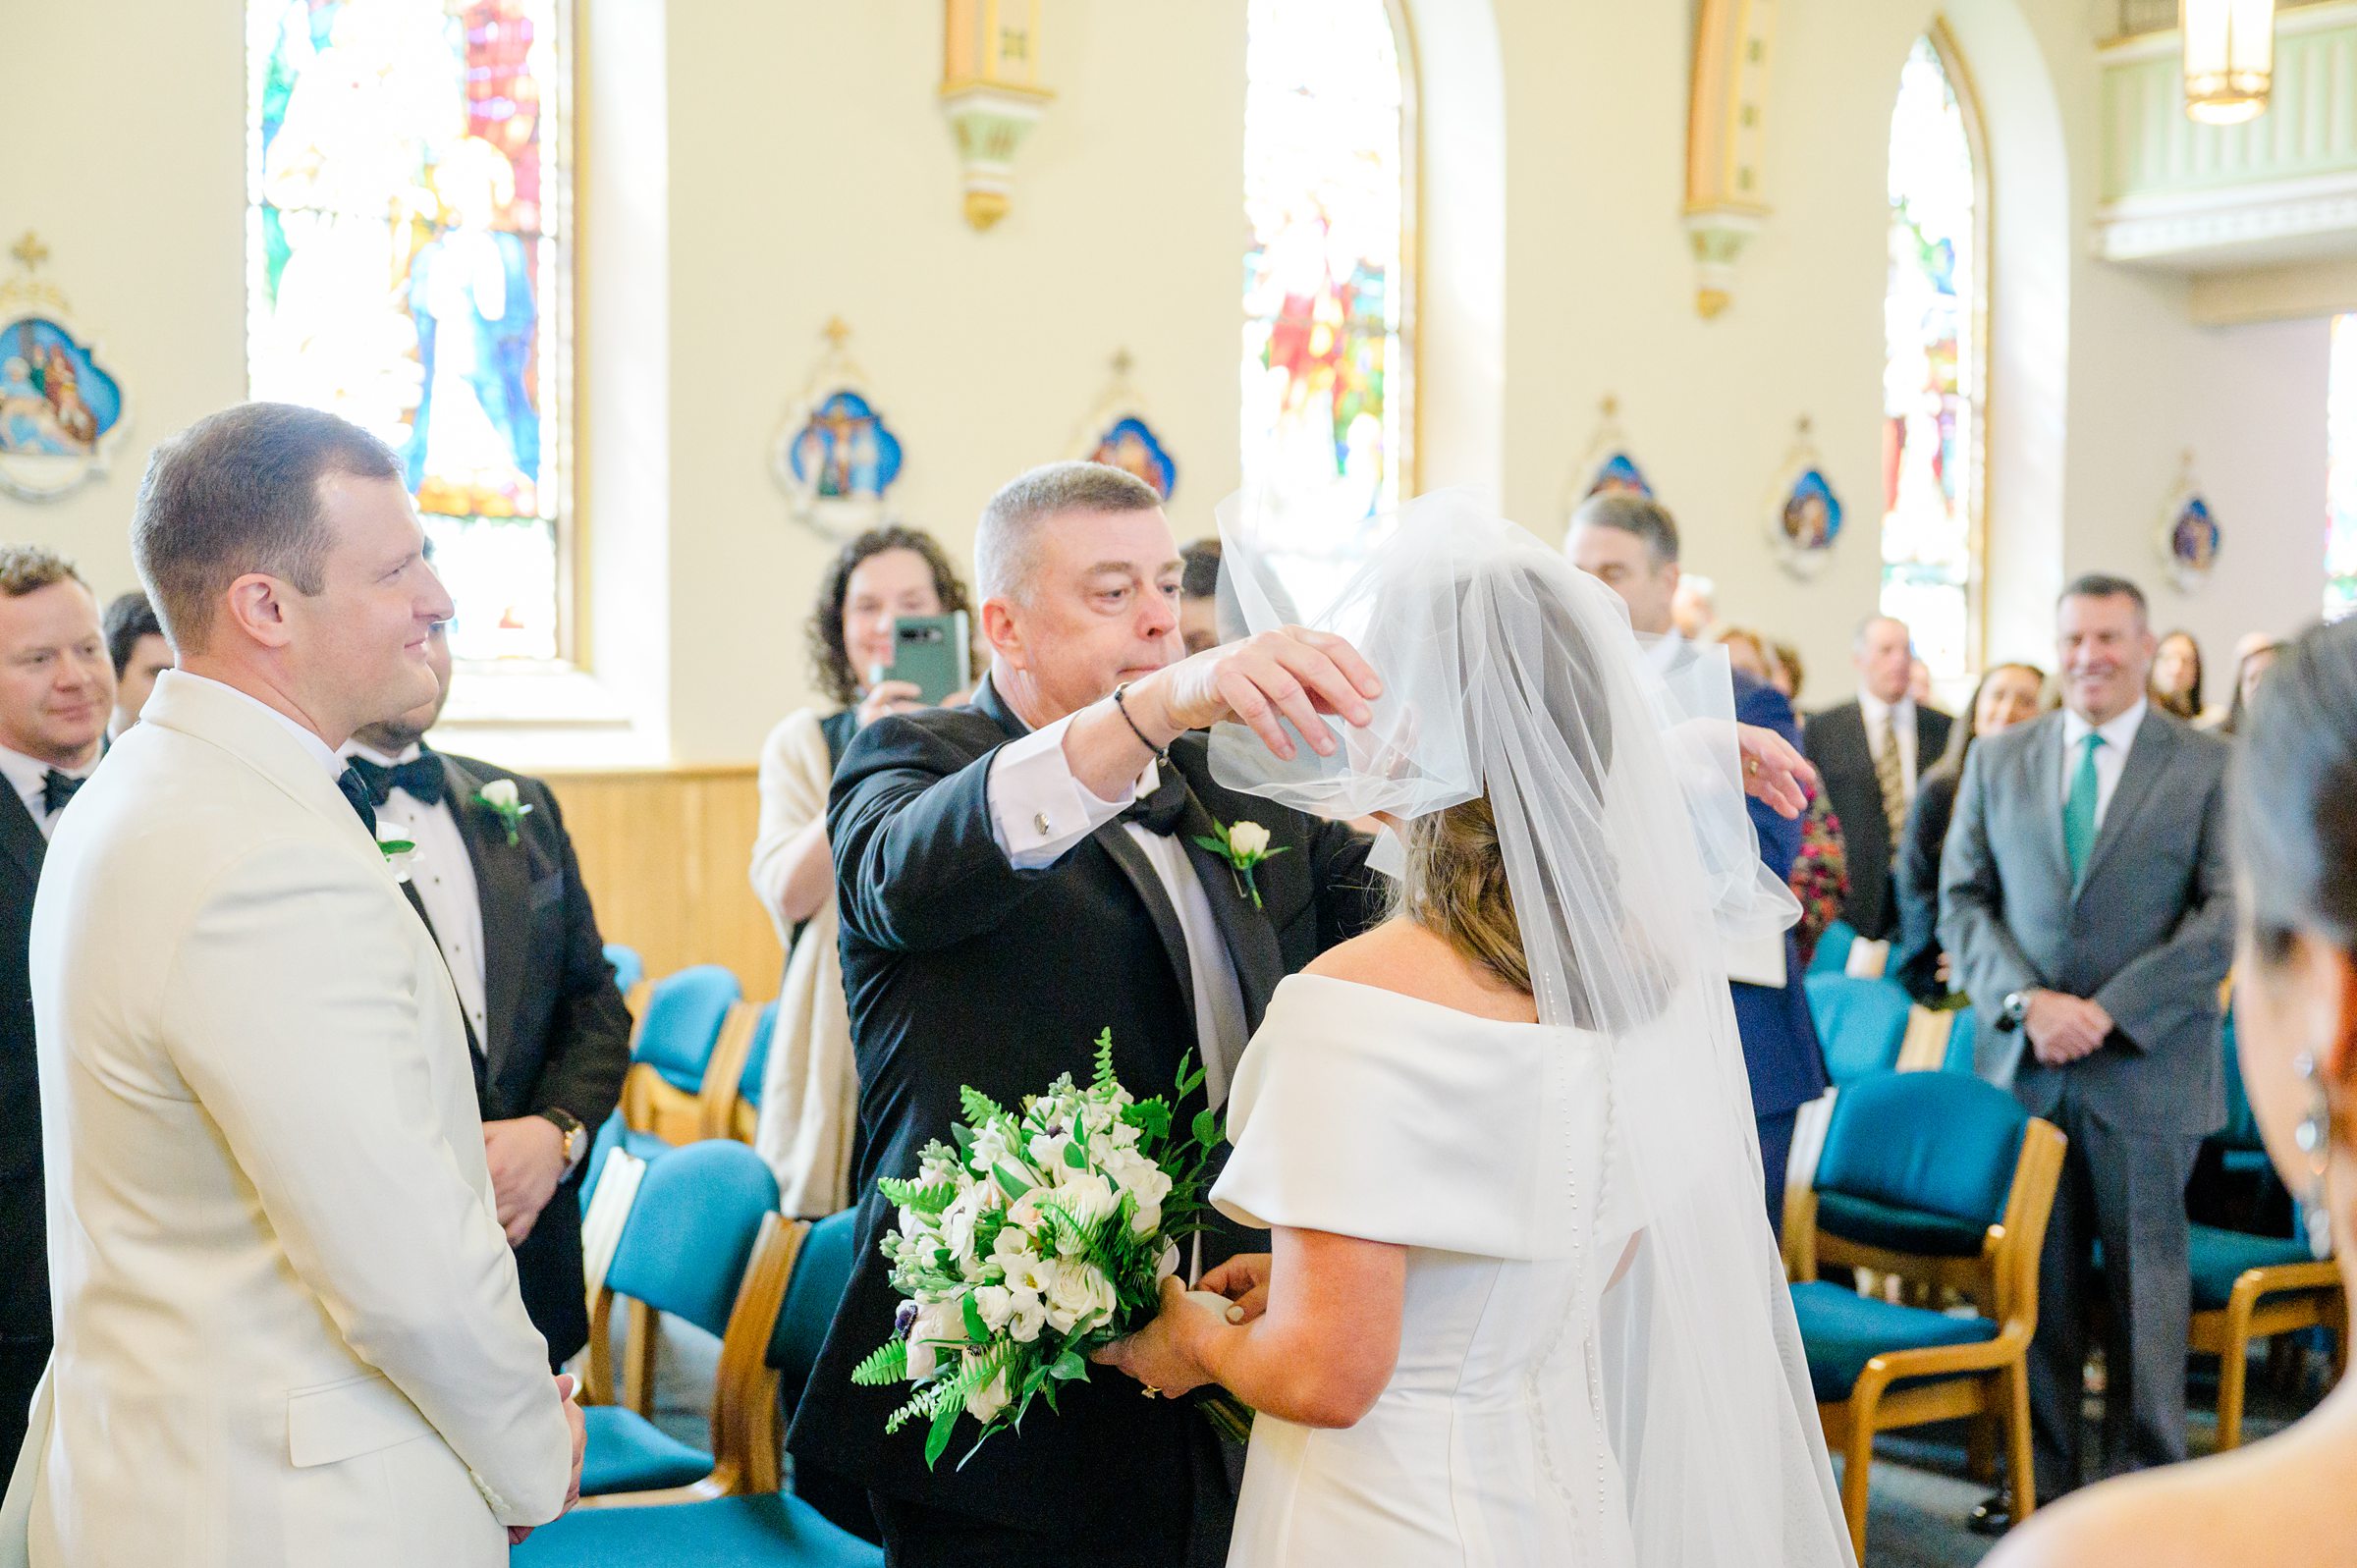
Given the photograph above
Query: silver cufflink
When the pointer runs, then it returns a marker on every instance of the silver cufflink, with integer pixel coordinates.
(1039, 824)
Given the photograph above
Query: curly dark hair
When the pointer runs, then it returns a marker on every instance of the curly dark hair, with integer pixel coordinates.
(829, 660)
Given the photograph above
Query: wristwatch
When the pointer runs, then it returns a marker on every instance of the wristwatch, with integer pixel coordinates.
(577, 1139)
(2015, 1009)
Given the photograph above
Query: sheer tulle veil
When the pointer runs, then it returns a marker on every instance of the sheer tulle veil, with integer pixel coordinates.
(1631, 857)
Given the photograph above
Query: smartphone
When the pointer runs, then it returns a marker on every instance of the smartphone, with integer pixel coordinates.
(932, 653)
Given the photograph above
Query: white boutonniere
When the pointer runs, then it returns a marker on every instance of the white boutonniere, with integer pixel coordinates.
(398, 853)
(498, 797)
(1243, 845)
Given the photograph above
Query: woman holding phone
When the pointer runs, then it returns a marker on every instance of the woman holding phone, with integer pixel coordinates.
(808, 1122)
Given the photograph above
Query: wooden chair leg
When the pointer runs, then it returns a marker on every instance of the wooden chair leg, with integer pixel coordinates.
(2234, 1368)
(1980, 1447)
(639, 1361)
(1857, 1467)
(2021, 1483)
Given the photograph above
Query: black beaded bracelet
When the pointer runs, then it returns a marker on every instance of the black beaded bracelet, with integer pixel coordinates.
(1162, 754)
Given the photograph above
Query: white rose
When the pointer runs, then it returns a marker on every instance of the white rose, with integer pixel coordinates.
(993, 1303)
(1086, 1200)
(500, 793)
(938, 1324)
(1077, 1297)
(1248, 838)
(1047, 1152)
(988, 1400)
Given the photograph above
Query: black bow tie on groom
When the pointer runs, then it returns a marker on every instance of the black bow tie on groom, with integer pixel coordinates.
(1160, 812)
(421, 779)
(357, 794)
(57, 789)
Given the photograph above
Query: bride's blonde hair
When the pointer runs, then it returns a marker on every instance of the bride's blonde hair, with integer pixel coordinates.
(1456, 889)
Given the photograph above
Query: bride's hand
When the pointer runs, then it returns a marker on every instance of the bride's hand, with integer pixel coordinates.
(1159, 1355)
(1774, 770)
(1244, 1280)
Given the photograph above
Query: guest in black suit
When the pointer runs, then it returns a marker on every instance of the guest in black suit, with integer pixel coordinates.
(1871, 752)
(998, 911)
(136, 647)
(57, 690)
(550, 1037)
(2007, 695)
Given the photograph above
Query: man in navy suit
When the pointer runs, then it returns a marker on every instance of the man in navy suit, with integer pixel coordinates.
(1630, 543)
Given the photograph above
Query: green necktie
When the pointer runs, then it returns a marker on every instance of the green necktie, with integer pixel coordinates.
(2078, 811)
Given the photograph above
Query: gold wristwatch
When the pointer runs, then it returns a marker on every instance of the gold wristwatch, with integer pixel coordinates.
(577, 1136)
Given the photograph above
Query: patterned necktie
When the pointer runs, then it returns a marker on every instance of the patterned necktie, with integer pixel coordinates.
(2078, 810)
(1890, 774)
(57, 789)
(421, 779)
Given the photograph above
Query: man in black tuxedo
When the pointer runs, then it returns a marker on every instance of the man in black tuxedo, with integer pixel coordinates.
(1870, 752)
(57, 690)
(998, 911)
(551, 1040)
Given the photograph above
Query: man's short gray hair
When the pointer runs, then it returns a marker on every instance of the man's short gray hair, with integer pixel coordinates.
(1632, 513)
(1005, 549)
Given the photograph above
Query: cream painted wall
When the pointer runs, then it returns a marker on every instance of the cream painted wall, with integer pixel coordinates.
(810, 173)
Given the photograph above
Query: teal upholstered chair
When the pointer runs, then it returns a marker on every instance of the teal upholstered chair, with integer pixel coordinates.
(1862, 1023)
(629, 968)
(672, 1050)
(2248, 1288)
(737, 1104)
(1959, 1041)
(684, 1251)
(798, 1275)
(1946, 1183)
(1831, 957)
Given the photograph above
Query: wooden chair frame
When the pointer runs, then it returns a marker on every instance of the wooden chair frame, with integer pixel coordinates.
(2265, 1302)
(651, 1103)
(1924, 1047)
(723, 1109)
(1987, 1382)
(747, 1437)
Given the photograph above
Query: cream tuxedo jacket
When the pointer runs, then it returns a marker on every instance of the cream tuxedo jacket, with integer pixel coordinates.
(287, 1329)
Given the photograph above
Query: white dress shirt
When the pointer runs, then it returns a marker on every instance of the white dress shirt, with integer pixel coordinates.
(1901, 715)
(2110, 758)
(1038, 811)
(29, 777)
(443, 874)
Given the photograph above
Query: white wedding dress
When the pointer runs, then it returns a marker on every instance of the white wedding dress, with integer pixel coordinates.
(1481, 1147)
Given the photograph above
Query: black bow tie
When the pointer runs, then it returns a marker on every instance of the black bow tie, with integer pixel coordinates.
(358, 793)
(56, 789)
(421, 779)
(1161, 811)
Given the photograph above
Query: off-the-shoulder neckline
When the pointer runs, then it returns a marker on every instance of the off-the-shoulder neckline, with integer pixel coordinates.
(1418, 1001)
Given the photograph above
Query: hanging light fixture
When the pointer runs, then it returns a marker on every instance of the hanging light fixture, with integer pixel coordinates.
(2229, 58)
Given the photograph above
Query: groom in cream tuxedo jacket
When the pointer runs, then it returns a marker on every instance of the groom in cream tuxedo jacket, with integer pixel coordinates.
(287, 1330)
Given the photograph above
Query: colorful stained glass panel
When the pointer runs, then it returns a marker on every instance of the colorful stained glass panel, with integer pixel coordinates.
(1326, 385)
(406, 262)
(1931, 369)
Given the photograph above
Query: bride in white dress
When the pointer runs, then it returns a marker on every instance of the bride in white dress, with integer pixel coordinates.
(1521, 1304)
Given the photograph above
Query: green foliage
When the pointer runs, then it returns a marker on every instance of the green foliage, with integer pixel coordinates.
(924, 1198)
(887, 1362)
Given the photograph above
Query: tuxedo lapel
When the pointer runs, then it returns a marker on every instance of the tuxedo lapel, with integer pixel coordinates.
(2148, 758)
(20, 835)
(1251, 936)
(1115, 840)
(503, 890)
(2042, 760)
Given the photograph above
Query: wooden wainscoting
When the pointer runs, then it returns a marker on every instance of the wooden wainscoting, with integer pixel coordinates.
(664, 853)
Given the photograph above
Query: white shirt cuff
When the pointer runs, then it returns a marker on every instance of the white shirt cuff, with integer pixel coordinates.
(1038, 811)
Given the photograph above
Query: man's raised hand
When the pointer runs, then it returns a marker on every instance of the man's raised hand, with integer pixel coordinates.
(1289, 674)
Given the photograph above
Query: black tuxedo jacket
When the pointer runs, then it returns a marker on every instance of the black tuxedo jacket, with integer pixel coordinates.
(1836, 742)
(557, 1033)
(23, 1225)
(960, 969)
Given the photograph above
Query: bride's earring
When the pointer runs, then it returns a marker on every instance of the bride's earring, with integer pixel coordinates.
(2314, 1138)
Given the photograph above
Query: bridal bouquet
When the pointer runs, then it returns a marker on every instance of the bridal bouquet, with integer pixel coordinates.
(1043, 1235)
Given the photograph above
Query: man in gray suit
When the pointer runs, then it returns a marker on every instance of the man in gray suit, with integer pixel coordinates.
(2085, 894)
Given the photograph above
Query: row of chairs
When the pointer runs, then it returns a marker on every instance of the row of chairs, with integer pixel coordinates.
(1940, 1186)
(703, 1242)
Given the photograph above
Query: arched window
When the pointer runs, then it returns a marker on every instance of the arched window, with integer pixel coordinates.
(407, 215)
(1329, 329)
(2341, 472)
(1936, 358)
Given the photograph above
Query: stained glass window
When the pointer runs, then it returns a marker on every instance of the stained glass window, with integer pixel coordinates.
(1933, 367)
(2341, 472)
(1325, 382)
(406, 229)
